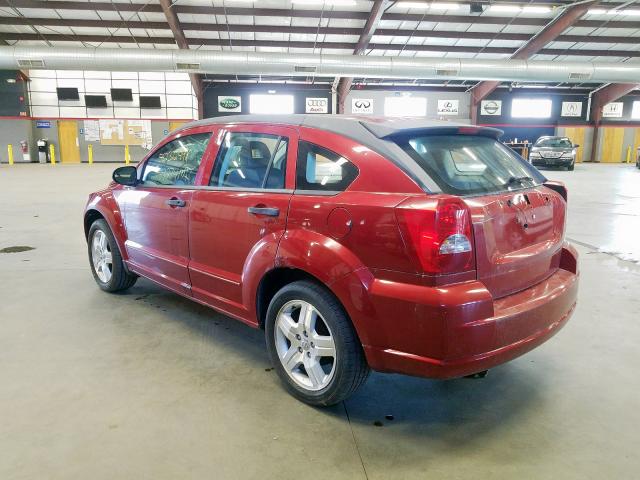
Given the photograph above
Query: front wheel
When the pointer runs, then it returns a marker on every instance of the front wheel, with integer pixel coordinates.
(313, 345)
(106, 262)
(571, 167)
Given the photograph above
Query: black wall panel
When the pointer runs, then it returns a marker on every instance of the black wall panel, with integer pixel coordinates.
(300, 93)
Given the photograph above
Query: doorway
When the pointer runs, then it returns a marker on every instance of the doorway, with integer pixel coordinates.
(68, 141)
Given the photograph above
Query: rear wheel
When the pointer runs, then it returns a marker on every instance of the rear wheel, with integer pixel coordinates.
(313, 345)
(106, 262)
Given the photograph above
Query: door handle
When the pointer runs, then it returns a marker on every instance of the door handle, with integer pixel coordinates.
(175, 202)
(268, 211)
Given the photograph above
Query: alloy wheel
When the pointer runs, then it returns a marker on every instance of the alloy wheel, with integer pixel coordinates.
(305, 345)
(101, 256)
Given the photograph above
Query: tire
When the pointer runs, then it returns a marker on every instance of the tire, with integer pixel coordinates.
(111, 277)
(341, 375)
(571, 167)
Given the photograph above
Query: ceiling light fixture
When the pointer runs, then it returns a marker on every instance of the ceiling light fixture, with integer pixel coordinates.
(505, 8)
(597, 11)
(337, 3)
(445, 6)
(416, 5)
(535, 9)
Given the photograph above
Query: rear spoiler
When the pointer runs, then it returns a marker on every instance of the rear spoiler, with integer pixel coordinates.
(385, 132)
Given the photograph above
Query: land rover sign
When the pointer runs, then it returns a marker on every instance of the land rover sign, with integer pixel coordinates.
(229, 104)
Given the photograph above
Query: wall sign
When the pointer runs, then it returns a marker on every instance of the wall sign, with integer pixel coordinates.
(613, 110)
(491, 107)
(91, 131)
(571, 109)
(362, 106)
(316, 105)
(448, 107)
(229, 104)
(43, 124)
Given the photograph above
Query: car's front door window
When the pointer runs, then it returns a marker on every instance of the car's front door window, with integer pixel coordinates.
(251, 160)
(177, 162)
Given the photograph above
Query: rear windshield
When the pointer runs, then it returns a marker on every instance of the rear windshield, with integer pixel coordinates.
(554, 142)
(470, 165)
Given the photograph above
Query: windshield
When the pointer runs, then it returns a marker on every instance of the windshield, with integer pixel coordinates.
(469, 165)
(554, 142)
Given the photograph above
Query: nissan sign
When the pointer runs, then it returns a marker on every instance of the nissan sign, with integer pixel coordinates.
(491, 107)
(317, 105)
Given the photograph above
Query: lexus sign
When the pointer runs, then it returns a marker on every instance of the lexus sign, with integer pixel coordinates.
(317, 105)
(448, 107)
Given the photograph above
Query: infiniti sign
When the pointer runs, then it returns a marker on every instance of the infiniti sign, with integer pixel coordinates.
(363, 106)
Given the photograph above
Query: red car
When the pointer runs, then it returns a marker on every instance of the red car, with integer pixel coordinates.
(397, 245)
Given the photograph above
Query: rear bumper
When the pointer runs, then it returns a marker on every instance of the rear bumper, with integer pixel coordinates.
(459, 343)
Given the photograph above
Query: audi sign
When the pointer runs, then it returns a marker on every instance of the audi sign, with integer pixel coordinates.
(317, 105)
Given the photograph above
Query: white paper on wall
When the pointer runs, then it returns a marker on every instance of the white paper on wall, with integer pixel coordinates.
(111, 129)
(91, 131)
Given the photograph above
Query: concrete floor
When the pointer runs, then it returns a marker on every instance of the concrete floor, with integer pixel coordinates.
(149, 385)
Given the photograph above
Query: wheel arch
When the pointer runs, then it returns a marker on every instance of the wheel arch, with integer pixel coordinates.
(104, 206)
(351, 291)
(274, 280)
(90, 216)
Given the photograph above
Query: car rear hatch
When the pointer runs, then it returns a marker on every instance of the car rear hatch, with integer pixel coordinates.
(518, 238)
(517, 222)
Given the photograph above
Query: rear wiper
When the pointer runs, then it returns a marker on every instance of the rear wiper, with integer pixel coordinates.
(517, 181)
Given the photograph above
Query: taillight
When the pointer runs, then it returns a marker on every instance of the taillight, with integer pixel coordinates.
(558, 187)
(438, 231)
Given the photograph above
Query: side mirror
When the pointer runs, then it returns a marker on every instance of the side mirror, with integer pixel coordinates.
(575, 145)
(126, 176)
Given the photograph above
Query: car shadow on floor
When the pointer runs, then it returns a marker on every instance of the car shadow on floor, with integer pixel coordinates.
(457, 411)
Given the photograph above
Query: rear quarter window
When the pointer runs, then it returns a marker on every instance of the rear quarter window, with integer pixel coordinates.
(321, 169)
(469, 164)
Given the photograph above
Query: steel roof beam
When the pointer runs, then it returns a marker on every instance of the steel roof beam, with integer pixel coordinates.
(549, 33)
(600, 98)
(377, 10)
(310, 45)
(383, 32)
(288, 13)
(183, 44)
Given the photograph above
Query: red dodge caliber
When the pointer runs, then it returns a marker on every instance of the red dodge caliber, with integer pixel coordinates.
(397, 245)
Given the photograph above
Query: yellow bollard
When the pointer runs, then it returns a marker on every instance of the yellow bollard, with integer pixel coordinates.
(90, 152)
(127, 157)
(52, 154)
(10, 154)
(628, 155)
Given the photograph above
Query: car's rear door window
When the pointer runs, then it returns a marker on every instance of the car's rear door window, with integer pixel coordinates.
(176, 162)
(469, 164)
(251, 160)
(321, 169)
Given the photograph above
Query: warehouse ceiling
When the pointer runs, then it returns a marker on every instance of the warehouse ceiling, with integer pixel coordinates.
(607, 32)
